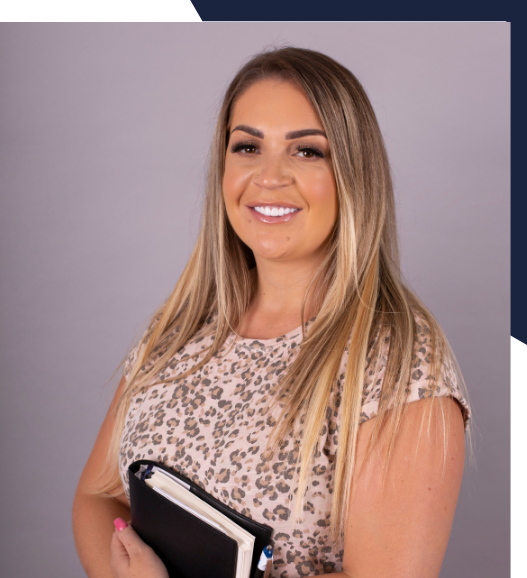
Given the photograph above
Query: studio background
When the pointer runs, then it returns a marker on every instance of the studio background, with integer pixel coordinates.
(104, 136)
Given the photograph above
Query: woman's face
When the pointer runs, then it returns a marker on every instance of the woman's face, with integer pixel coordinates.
(279, 188)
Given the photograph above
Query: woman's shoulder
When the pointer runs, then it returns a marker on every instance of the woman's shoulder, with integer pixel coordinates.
(434, 370)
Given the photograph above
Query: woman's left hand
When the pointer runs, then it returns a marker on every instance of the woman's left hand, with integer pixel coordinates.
(131, 557)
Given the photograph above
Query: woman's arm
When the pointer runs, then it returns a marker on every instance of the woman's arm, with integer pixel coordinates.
(402, 529)
(93, 515)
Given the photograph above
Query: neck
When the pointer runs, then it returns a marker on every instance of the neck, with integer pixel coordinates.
(277, 304)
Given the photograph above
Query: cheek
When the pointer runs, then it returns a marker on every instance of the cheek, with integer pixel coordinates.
(323, 197)
(234, 183)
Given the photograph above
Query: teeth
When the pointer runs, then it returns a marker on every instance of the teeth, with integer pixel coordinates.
(274, 211)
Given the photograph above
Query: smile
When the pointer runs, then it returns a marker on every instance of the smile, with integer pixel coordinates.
(271, 211)
(273, 214)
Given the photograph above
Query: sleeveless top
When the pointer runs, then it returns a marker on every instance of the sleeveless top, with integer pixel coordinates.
(210, 427)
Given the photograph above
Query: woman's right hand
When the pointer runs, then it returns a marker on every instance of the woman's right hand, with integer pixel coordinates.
(131, 557)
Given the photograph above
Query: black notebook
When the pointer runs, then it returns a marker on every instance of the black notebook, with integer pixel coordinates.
(194, 534)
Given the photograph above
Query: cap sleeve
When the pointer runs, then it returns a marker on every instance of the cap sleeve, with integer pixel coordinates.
(449, 383)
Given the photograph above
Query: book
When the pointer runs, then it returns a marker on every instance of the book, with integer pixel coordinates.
(194, 534)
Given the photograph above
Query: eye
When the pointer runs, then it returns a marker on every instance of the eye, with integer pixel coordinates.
(309, 152)
(244, 148)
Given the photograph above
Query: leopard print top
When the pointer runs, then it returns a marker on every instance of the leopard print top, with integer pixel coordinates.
(210, 426)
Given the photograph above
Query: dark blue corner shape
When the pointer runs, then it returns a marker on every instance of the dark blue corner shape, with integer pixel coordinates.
(341, 10)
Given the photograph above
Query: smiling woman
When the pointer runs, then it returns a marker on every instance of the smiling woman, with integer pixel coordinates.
(291, 373)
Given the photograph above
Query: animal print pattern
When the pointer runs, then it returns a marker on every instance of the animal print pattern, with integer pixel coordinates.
(211, 427)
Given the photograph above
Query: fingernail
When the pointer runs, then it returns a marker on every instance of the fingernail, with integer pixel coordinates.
(119, 524)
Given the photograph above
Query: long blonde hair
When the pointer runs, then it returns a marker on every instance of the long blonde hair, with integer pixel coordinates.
(359, 284)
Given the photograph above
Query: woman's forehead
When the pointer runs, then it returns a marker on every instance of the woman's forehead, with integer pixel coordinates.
(275, 104)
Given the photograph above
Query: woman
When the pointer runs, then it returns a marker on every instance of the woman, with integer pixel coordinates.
(345, 432)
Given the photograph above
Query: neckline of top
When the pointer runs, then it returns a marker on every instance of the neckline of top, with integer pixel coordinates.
(253, 343)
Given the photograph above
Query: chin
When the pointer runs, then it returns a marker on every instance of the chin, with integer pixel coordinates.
(272, 253)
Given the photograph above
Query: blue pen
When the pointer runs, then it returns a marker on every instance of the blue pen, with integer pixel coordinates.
(263, 569)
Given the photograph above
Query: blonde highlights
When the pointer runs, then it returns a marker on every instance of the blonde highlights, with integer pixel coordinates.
(361, 297)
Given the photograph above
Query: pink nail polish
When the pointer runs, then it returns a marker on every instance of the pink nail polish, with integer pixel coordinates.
(119, 524)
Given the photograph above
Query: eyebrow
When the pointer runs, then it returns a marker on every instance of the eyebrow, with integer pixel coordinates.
(289, 136)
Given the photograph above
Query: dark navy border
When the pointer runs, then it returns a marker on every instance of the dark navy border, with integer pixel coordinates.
(518, 196)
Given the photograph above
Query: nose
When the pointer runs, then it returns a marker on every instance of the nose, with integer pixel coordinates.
(273, 174)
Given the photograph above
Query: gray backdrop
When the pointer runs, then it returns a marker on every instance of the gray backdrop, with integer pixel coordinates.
(104, 137)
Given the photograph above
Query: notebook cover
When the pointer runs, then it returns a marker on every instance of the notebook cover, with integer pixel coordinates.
(189, 547)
